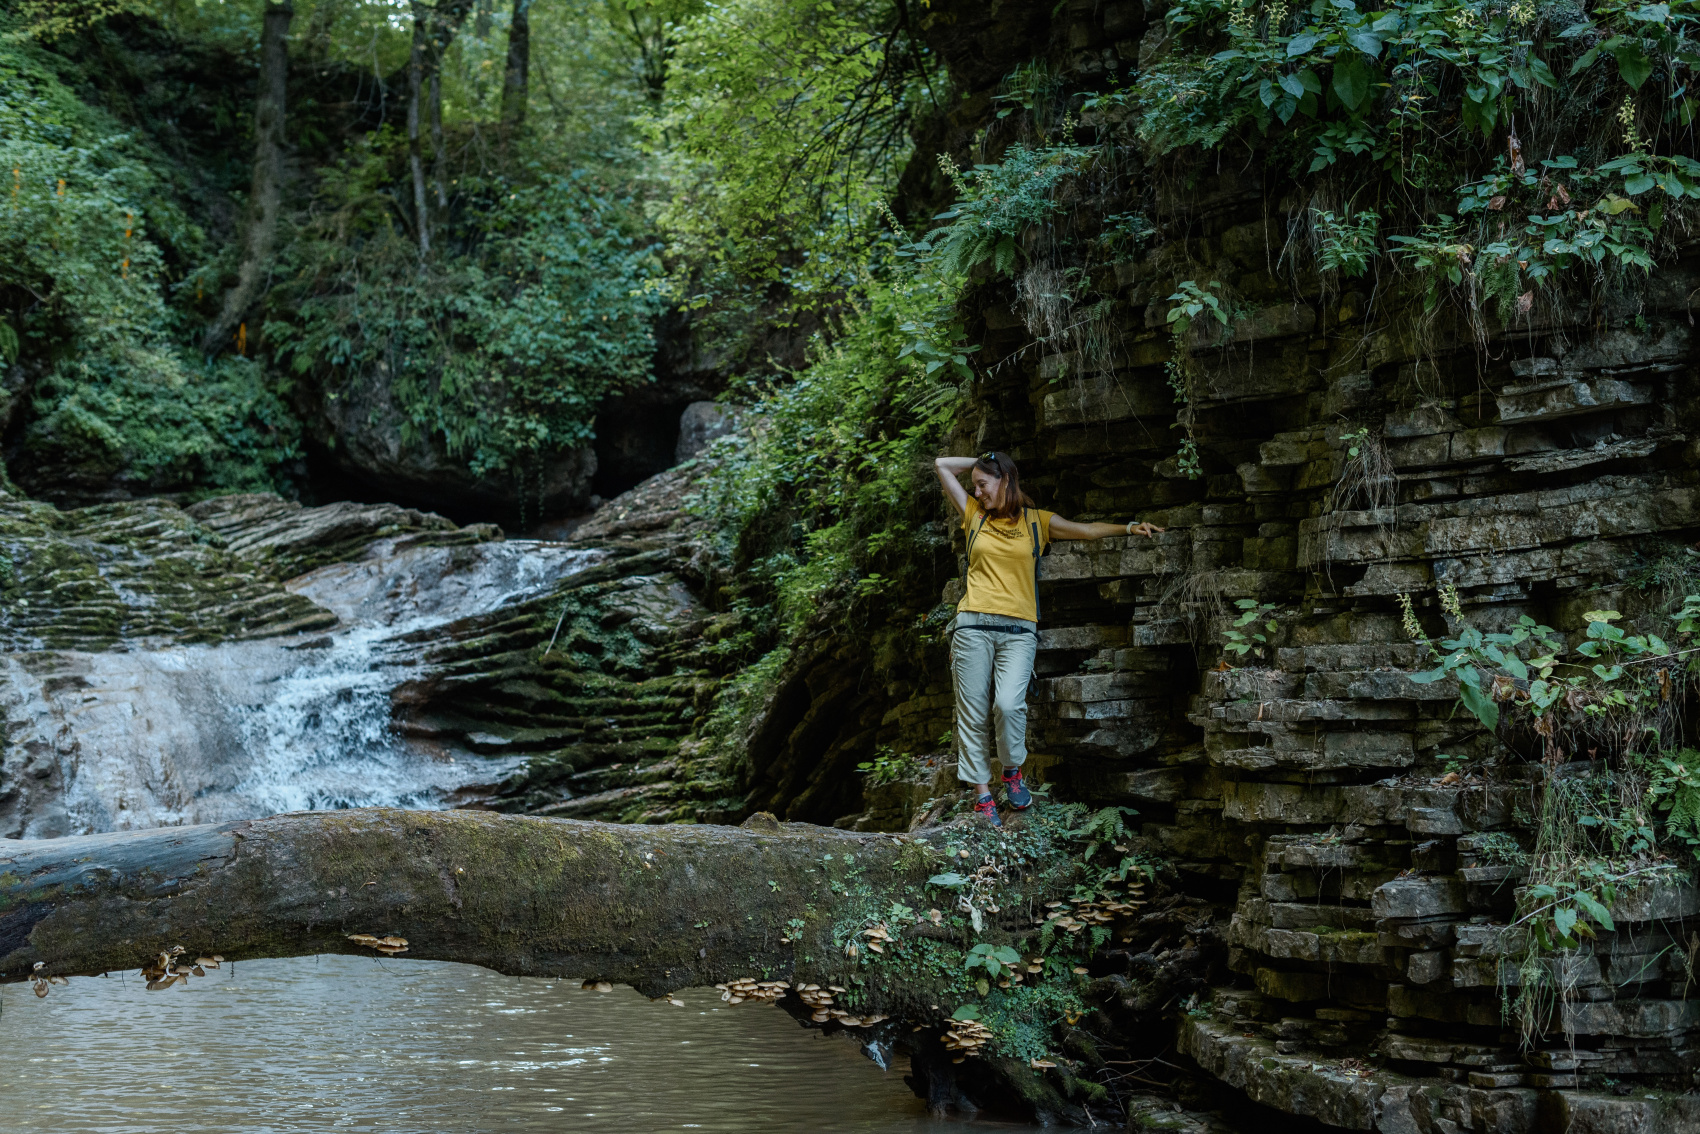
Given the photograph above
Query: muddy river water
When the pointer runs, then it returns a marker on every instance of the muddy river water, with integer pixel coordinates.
(355, 1044)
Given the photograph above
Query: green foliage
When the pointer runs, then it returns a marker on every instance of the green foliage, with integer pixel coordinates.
(148, 416)
(1252, 630)
(888, 767)
(1373, 95)
(1105, 825)
(87, 225)
(1674, 788)
(996, 203)
(825, 504)
(1610, 698)
(992, 959)
(1345, 245)
(783, 126)
(502, 352)
(1023, 1019)
(1190, 301)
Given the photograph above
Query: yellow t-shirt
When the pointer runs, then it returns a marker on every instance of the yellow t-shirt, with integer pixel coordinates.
(1000, 563)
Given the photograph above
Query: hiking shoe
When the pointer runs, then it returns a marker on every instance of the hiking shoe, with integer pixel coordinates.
(988, 807)
(1015, 790)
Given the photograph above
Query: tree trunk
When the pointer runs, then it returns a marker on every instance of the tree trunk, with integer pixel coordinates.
(516, 85)
(415, 147)
(659, 907)
(265, 194)
(439, 154)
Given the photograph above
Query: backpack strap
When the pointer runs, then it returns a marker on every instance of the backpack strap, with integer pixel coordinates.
(968, 554)
(1033, 526)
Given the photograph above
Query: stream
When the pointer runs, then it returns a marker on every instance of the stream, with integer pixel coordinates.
(338, 1043)
(160, 735)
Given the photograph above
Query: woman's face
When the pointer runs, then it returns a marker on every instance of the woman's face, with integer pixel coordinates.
(988, 489)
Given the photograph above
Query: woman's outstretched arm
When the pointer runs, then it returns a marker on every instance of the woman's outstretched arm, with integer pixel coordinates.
(949, 471)
(1068, 529)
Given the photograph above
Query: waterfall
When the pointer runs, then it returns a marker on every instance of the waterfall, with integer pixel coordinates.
(173, 734)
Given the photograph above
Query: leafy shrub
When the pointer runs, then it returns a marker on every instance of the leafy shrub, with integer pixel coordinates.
(502, 351)
(119, 400)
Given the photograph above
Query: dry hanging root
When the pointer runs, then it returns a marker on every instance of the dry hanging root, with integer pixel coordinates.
(40, 982)
(167, 969)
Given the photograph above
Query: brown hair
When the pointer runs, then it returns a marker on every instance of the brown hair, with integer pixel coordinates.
(999, 465)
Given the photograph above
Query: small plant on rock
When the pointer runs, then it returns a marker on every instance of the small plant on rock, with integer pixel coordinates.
(1253, 630)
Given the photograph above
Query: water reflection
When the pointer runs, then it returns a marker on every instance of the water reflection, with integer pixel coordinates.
(351, 1044)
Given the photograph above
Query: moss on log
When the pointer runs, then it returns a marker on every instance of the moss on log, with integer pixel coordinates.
(658, 907)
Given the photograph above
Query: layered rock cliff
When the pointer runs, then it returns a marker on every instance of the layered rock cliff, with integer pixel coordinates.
(1356, 837)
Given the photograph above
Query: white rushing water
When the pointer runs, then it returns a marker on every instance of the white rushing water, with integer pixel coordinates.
(194, 734)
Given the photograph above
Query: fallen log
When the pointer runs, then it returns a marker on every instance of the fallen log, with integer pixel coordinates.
(658, 907)
(907, 939)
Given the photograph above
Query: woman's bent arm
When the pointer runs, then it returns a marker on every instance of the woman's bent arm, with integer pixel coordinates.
(1068, 529)
(949, 470)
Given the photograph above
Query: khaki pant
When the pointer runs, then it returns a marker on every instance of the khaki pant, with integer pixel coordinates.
(990, 669)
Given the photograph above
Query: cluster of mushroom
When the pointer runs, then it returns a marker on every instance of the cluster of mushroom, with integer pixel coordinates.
(166, 969)
(748, 988)
(878, 937)
(966, 1037)
(820, 999)
(40, 982)
(1017, 972)
(388, 946)
(1077, 916)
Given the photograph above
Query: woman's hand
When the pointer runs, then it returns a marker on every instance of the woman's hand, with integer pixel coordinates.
(1143, 529)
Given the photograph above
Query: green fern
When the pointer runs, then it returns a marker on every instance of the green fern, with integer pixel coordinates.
(1105, 825)
(1675, 789)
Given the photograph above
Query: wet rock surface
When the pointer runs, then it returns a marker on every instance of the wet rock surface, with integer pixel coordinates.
(1348, 949)
(247, 655)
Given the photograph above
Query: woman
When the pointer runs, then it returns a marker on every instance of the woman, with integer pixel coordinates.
(995, 634)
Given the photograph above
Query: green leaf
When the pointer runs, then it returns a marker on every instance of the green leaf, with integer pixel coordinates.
(1351, 81)
(1481, 705)
(1542, 73)
(1429, 676)
(1300, 44)
(950, 880)
(1584, 62)
(1594, 910)
(1639, 184)
(1366, 42)
(1633, 64)
(966, 1012)
(1564, 920)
